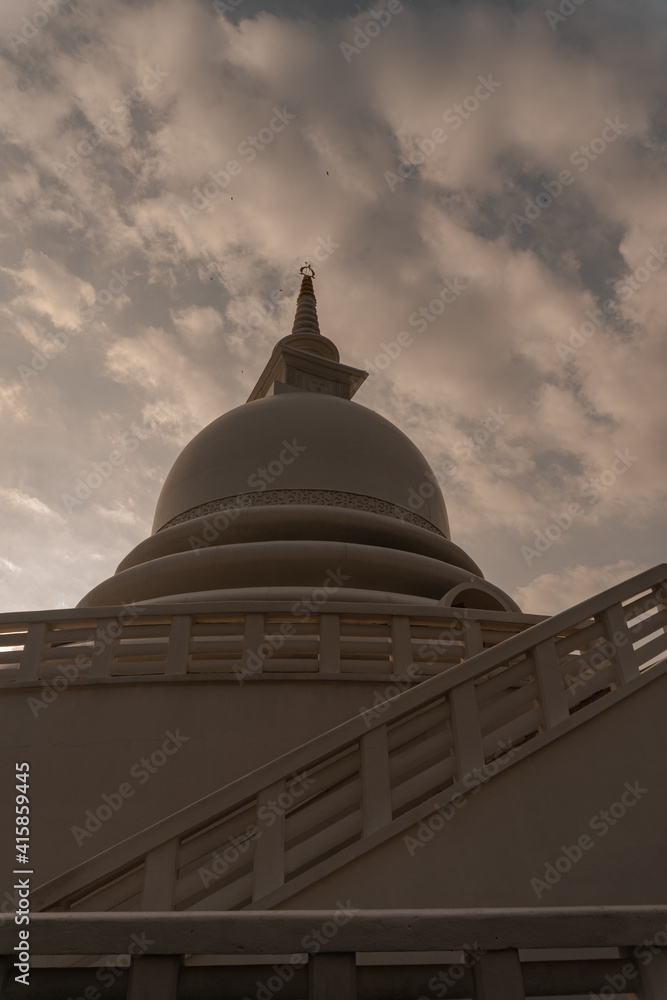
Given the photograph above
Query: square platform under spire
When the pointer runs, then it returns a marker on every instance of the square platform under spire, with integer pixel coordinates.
(292, 370)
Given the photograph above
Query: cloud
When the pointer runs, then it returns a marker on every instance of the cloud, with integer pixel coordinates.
(550, 593)
(226, 88)
(119, 514)
(154, 364)
(200, 326)
(50, 290)
(21, 501)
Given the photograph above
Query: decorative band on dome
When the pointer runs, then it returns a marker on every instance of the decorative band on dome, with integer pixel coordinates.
(323, 498)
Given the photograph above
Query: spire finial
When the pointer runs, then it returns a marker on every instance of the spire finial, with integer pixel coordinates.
(305, 320)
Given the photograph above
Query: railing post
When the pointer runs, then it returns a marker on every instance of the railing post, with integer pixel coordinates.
(329, 644)
(498, 976)
(653, 977)
(5, 970)
(178, 647)
(269, 859)
(466, 732)
(332, 976)
(157, 892)
(154, 977)
(102, 658)
(31, 657)
(473, 641)
(616, 627)
(401, 644)
(553, 700)
(375, 787)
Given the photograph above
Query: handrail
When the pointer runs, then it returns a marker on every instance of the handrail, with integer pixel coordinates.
(270, 932)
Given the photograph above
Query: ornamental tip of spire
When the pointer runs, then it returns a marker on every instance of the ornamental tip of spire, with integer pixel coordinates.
(305, 320)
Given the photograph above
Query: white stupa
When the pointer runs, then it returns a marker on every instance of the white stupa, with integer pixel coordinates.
(297, 746)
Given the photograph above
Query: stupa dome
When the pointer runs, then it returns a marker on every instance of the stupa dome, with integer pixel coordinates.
(303, 447)
(299, 486)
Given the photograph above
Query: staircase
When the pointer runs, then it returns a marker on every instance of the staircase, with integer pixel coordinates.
(256, 842)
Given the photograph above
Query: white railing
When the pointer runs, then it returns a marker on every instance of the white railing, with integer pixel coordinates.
(347, 954)
(271, 833)
(266, 641)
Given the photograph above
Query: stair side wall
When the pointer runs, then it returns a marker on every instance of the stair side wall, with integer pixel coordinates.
(91, 740)
(494, 848)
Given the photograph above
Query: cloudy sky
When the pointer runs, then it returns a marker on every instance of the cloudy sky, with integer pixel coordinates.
(499, 166)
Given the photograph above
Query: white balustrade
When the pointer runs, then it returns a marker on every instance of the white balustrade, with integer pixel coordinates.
(244, 646)
(369, 775)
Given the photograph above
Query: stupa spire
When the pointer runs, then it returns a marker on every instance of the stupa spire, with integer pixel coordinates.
(305, 360)
(305, 320)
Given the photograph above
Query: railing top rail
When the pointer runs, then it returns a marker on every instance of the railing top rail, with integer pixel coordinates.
(280, 932)
(252, 607)
(337, 739)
